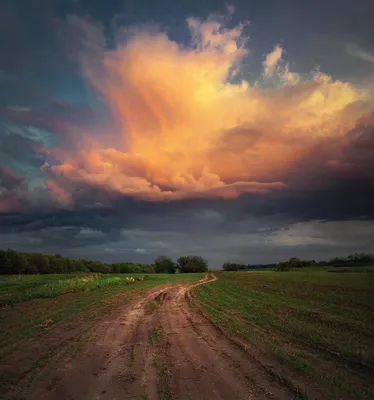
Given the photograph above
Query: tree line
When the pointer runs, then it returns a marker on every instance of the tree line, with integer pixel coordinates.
(231, 266)
(16, 262)
(355, 259)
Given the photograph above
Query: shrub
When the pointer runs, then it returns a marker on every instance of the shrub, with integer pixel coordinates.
(192, 264)
(165, 264)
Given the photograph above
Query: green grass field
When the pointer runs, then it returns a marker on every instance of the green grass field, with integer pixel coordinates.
(45, 317)
(318, 324)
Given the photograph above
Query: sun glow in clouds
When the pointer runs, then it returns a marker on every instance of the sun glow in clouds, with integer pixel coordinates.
(188, 128)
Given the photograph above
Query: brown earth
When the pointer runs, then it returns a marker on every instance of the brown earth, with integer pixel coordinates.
(157, 347)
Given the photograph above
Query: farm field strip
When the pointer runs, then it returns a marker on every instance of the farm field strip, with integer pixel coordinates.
(320, 325)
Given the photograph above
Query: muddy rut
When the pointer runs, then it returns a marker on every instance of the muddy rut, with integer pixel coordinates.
(159, 347)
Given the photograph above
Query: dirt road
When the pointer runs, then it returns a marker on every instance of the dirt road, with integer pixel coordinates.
(159, 347)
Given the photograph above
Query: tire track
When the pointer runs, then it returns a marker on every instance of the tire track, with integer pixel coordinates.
(116, 364)
(205, 364)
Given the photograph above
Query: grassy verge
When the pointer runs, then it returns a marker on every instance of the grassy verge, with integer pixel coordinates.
(320, 325)
(18, 288)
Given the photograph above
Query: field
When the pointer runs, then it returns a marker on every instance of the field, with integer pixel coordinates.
(318, 325)
(277, 335)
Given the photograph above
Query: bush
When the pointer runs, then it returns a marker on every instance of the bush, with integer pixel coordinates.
(165, 264)
(192, 264)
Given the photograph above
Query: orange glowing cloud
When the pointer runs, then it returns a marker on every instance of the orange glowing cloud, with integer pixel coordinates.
(189, 127)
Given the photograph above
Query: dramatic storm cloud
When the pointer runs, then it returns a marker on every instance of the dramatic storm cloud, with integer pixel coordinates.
(188, 125)
(127, 137)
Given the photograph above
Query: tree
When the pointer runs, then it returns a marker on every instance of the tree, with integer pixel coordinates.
(363, 258)
(79, 266)
(338, 261)
(41, 262)
(192, 264)
(5, 263)
(31, 270)
(164, 264)
(18, 262)
(70, 264)
(295, 262)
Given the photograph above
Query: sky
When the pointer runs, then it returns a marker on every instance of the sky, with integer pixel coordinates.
(239, 131)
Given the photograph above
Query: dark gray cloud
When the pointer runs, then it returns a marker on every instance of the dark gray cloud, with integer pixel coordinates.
(16, 148)
(57, 117)
(9, 180)
(216, 236)
(220, 231)
(11, 188)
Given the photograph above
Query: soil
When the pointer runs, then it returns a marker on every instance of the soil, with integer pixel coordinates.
(160, 347)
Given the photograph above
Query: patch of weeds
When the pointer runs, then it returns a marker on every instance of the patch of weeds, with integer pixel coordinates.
(153, 335)
(45, 325)
(164, 391)
(151, 307)
(162, 362)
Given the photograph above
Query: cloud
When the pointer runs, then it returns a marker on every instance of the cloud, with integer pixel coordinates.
(17, 146)
(9, 180)
(186, 127)
(274, 67)
(355, 51)
(140, 251)
(10, 190)
(326, 233)
(253, 229)
(230, 9)
(272, 61)
(19, 109)
(61, 118)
